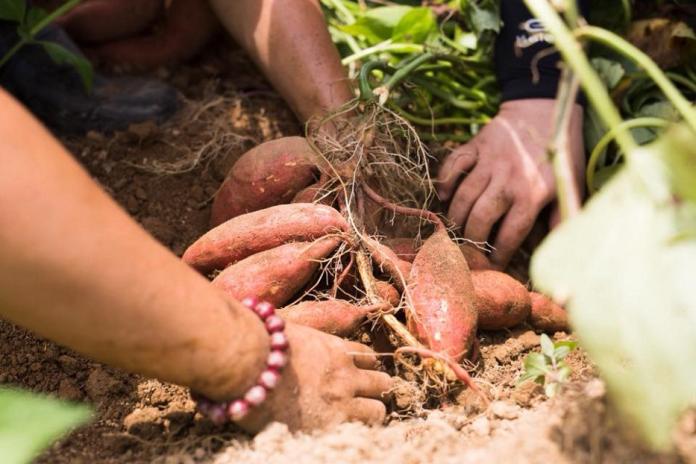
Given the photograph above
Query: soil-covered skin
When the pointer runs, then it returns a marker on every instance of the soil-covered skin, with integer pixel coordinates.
(229, 109)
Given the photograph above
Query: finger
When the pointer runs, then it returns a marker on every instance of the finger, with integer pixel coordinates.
(515, 227)
(457, 163)
(362, 356)
(488, 209)
(373, 384)
(466, 195)
(371, 412)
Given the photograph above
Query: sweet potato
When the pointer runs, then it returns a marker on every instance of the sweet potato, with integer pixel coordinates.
(251, 233)
(277, 274)
(337, 317)
(547, 315)
(388, 292)
(267, 175)
(475, 258)
(501, 301)
(444, 315)
(387, 261)
(404, 247)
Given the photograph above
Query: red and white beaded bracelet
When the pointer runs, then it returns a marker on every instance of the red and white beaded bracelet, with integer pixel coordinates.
(269, 377)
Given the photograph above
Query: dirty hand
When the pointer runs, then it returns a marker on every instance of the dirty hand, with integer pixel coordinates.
(508, 177)
(328, 380)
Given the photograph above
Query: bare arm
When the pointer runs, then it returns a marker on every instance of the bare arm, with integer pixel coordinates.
(77, 269)
(289, 41)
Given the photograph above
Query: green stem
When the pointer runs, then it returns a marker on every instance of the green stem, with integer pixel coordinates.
(573, 55)
(55, 14)
(609, 136)
(386, 46)
(683, 80)
(437, 121)
(404, 71)
(566, 187)
(446, 96)
(364, 78)
(620, 45)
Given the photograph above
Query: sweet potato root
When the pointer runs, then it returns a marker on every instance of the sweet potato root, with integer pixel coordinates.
(337, 317)
(547, 315)
(444, 315)
(267, 175)
(501, 301)
(252, 233)
(277, 274)
(387, 262)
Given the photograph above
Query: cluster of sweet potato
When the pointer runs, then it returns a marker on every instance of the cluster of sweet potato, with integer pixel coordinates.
(270, 241)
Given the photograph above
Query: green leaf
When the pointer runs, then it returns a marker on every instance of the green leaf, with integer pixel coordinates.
(389, 16)
(546, 346)
(373, 31)
(415, 26)
(535, 365)
(29, 423)
(660, 109)
(466, 41)
(560, 352)
(610, 72)
(484, 19)
(625, 267)
(61, 55)
(377, 25)
(563, 373)
(13, 10)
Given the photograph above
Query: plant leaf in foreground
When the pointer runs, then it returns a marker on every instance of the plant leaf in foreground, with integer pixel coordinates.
(626, 267)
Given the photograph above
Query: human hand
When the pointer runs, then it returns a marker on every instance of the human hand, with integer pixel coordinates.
(508, 176)
(328, 380)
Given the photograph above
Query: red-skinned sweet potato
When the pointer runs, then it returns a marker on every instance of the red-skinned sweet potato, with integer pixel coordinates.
(337, 317)
(444, 315)
(547, 315)
(277, 274)
(404, 247)
(252, 233)
(267, 175)
(475, 258)
(501, 301)
(388, 292)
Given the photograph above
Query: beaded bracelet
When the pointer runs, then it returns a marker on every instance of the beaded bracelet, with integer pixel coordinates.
(268, 379)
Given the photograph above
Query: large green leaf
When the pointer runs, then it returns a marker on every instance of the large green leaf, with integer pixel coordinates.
(29, 423)
(415, 26)
(626, 269)
(377, 25)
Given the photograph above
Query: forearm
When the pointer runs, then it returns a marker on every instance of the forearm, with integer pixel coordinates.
(76, 269)
(289, 41)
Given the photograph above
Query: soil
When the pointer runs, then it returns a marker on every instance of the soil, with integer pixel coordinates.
(165, 177)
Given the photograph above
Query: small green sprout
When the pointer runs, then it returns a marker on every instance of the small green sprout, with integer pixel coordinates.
(548, 368)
